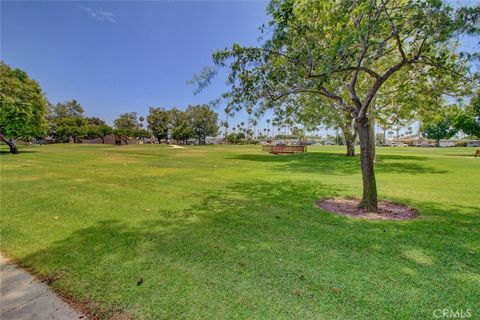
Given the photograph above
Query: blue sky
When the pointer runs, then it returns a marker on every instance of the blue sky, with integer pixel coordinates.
(122, 56)
(117, 57)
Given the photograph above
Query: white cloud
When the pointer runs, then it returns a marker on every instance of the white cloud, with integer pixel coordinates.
(101, 15)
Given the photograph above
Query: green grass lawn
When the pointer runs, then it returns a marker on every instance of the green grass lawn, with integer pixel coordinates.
(228, 232)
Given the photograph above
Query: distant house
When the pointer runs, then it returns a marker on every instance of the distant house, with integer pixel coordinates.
(214, 140)
(328, 143)
(473, 143)
(111, 139)
(447, 143)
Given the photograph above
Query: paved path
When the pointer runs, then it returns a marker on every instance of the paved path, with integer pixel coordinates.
(22, 297)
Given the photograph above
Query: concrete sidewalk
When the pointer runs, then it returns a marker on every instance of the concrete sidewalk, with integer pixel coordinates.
(24, 297)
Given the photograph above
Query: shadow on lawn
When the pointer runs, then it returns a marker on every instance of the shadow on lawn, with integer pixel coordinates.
(19, 153)
(338, 164)
(263, 241)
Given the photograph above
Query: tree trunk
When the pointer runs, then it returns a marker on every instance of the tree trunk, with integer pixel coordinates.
(367, 156)
(349, 135)
(10, 143)
(103, 139)
(350, 147)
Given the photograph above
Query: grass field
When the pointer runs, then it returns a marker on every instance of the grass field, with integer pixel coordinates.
(226, 232)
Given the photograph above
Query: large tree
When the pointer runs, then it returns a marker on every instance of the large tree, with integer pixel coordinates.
(23, 107)
(180, 125)
(203, 121)
(158, 121)
(346, 51)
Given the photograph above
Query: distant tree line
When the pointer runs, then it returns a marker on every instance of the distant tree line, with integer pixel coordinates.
(198, 121)
(26, 114)
(68, 124)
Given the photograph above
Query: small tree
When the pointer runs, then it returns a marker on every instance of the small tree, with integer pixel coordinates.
(236, 137)
(126, 126)
(468, 120)
(123, 133)
(439, 128)
(93, 131)
(103, 131)
(23, 107)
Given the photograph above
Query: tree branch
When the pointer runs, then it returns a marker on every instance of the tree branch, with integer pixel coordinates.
(373, 90)
(395, 32)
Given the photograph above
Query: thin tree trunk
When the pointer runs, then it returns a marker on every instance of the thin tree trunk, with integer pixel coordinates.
(103, 140)
(350, 147)
(10, 143)
(371, 121)
(367, 156)
(350, 136)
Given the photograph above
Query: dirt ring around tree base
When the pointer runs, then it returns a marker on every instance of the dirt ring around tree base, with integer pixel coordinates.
(349, 207)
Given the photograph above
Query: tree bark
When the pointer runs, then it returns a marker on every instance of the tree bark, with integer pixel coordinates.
(367, 157)
(350, 136)
(350, 147)
(10, 143)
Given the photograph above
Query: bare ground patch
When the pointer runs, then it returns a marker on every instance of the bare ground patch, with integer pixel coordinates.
(349, 207)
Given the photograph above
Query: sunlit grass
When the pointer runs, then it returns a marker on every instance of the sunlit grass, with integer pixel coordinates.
(228, 232)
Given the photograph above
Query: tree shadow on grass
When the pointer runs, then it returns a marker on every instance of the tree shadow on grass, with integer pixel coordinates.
(337, 164)
(4, 152)
(464, 155)
(241, 246)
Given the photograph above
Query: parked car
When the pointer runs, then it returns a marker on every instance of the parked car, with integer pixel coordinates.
(399, 144)
(328, 143)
